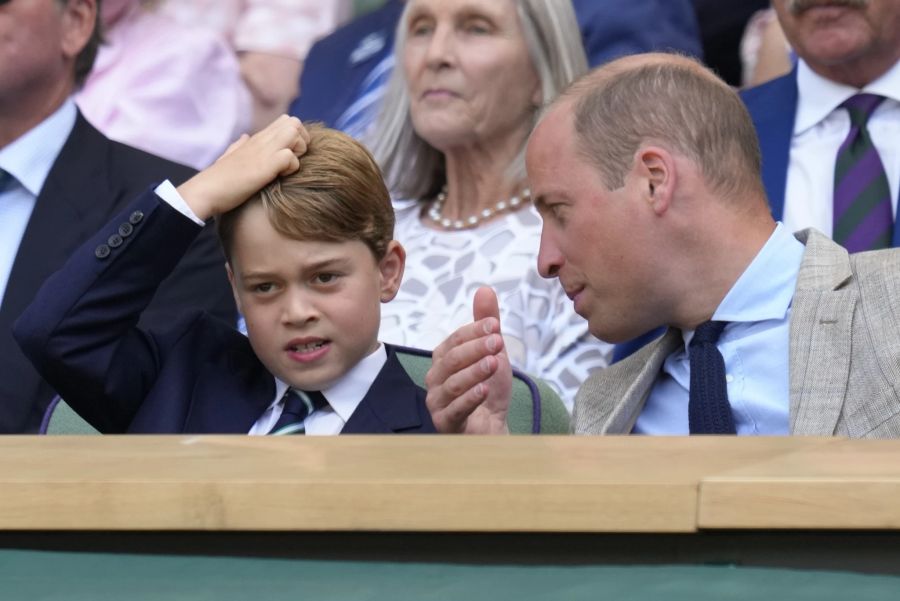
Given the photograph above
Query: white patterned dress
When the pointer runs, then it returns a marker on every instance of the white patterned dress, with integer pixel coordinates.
(543, 334)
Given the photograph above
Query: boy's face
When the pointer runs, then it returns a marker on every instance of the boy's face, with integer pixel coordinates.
(312, 308)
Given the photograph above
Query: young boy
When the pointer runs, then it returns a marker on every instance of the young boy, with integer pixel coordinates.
(310, 259)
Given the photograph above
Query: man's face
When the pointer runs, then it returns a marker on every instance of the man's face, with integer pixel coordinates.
(312, 308)
(592, 239)
(837, 35)
(32, 36)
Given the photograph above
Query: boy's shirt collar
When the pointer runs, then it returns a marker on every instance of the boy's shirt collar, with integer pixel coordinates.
(348, 392)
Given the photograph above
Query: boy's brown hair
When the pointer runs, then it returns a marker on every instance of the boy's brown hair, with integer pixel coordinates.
(337, 194)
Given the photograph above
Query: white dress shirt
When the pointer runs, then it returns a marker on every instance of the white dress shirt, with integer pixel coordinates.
(820, 128)
(343, 397)
(29, 160)
(755, 346)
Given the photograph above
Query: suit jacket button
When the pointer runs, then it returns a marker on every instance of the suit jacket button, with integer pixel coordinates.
(102, 251)
(115, 241)
(125, 229)
(136, 217)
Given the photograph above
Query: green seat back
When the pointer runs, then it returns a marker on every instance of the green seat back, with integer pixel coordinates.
(535, 408)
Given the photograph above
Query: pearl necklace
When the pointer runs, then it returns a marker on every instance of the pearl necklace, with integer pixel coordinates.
(435, 212)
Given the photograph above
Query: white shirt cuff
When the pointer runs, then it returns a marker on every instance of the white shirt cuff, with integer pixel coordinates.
(167, 192)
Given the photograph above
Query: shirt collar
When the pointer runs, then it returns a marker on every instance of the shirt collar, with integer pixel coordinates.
(765, 289)
(346, 395)
(30, 157)
(818, 97)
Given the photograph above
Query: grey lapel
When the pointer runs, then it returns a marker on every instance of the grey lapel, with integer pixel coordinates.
(610, 401)
(820, 335)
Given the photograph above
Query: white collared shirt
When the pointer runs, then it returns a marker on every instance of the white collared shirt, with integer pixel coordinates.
(755, 346)
(820, 128)
(343, 398)
(29, 160)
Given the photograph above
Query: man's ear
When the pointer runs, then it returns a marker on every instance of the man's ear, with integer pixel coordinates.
(234, 288)
(655, 171)
(79, 19)
(391, 268)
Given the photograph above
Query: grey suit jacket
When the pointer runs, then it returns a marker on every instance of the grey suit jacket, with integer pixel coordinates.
(844, 354)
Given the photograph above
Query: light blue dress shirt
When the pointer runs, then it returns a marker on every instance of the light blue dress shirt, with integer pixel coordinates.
(754, 345)
(29, 160)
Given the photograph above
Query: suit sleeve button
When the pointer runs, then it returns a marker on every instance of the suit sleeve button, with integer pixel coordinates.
(115, 241)
(126, 229)
(136, 217)
(102, 251)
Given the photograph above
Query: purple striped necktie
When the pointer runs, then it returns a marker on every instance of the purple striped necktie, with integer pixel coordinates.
(862, 197)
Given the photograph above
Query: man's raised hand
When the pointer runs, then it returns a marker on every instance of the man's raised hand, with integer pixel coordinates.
(470, 380)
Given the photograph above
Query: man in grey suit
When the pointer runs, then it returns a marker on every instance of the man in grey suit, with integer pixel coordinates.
(647, 175)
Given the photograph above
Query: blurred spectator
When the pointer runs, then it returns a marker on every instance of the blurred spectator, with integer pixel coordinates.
(722, 25)
(459, 108)
(829, 131)
(165, 88)
(270, 37)
(765, 53)
(61, 179)
(343, 78)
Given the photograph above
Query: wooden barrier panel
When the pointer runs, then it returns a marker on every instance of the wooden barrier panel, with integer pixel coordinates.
(368, 483)
(846, 485)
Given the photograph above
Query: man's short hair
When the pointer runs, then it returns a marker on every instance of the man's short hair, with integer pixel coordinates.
(669, 100)
(338, 194)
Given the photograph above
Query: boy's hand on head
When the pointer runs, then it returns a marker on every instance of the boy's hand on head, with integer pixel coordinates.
(470, 380)
(247, 166)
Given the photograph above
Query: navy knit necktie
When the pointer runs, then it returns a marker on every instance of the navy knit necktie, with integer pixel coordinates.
(708, 409)
(298, 405)
(863, 218)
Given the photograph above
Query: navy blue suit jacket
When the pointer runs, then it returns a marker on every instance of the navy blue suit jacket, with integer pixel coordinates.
(336, 65)
(199, 375)
(92, 179)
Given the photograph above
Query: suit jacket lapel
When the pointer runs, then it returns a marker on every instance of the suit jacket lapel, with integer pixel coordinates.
(820, 336)
(393, 404)
(230, 400)
(612, 399)
(65, 214)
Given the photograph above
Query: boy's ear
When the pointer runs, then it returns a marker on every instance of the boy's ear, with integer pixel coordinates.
(391, 268)
(234, 292)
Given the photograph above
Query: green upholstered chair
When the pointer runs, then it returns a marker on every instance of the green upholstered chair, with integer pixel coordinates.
(535, 407)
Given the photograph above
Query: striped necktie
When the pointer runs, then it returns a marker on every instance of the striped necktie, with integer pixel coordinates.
(862, 198)
(709, 411)
(298, 405)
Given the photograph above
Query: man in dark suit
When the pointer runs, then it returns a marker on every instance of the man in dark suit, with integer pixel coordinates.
(60, 179)
(344, 72)
(846, 53)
